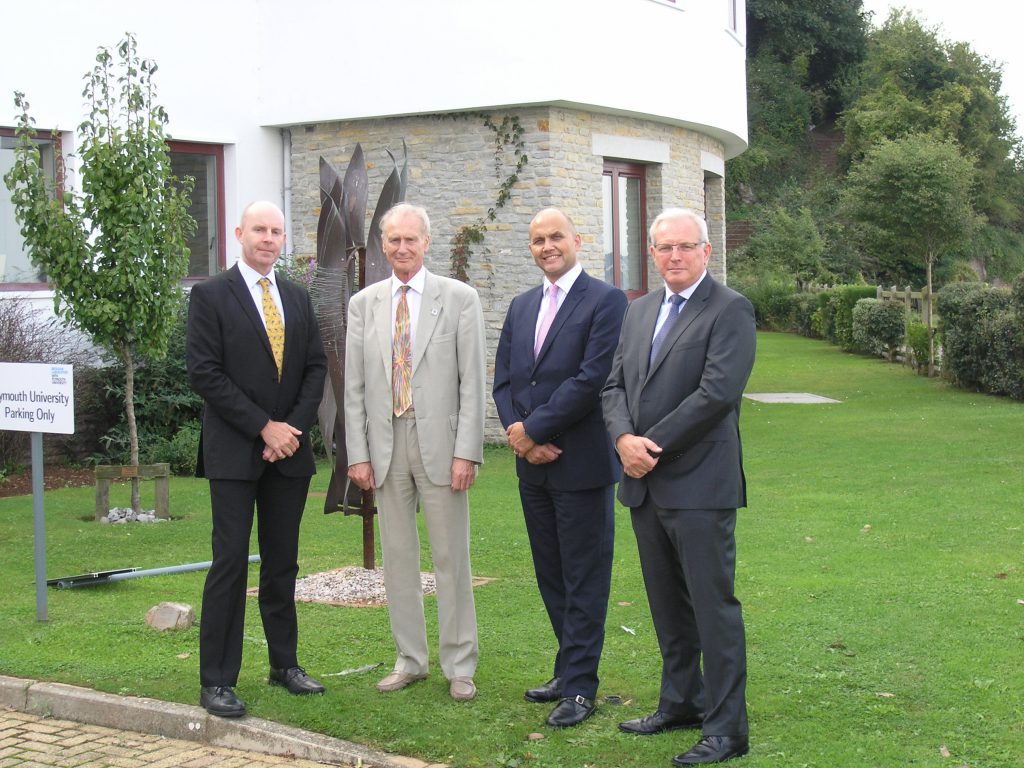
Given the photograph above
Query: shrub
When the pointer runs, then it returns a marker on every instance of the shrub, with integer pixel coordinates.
(963, 309)
(1002, 335)
(879, 327)
(917, 345)
(164, 400)
(773, 301)
(180, 451)
(833, 320)
(804, 307)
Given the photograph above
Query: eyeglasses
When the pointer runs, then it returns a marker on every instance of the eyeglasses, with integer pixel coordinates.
(665, 249)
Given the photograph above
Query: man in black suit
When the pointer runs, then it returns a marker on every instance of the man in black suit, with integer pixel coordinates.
(672, 405)
(254, 355)
(553, 358)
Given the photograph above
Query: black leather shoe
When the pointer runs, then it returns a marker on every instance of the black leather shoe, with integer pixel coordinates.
(570, 712)
(714, 749)
(220, 700)
(659, 722)
(550, 691)
(295, 680)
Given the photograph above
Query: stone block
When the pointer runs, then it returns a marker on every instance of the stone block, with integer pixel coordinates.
(167, 616)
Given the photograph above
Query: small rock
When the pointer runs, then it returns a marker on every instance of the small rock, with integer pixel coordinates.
(170, 616)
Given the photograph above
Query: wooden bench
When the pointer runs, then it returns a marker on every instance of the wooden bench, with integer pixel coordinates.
(161, 473)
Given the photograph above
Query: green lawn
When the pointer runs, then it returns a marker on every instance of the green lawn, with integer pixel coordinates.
(880, 567)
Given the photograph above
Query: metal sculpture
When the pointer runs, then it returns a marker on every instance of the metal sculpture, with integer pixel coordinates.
(347, 260)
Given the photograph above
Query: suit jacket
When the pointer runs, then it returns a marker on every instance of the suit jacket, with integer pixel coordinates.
(688, 400)
(231, 366)
(448, 377)
(558, 395)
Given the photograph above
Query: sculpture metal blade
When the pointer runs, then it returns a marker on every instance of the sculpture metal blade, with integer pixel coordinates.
(341, 249)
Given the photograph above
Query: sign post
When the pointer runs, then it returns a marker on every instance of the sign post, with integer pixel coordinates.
(37, 398)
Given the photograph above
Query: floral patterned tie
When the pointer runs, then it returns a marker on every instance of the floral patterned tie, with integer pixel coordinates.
(401, 357)
(275, 328)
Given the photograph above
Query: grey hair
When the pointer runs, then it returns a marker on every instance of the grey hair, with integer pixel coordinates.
(675, 214)
(403, 208)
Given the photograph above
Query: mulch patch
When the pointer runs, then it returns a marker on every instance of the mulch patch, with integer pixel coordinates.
(20, 483)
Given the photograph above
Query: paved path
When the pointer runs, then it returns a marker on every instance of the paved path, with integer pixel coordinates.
(53, 724)
(31, 741)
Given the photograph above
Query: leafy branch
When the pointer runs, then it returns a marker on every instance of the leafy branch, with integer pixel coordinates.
(507, 134)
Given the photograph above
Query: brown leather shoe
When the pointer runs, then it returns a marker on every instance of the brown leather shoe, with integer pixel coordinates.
(396, 681)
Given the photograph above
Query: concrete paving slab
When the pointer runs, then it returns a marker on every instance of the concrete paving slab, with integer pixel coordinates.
(802, 398)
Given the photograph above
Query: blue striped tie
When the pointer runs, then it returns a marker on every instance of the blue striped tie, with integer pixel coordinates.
(675, 304)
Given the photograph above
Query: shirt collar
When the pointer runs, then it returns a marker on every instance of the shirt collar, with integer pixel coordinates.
(566, 281)
(416, 282)
(251, 276)
(686, 293)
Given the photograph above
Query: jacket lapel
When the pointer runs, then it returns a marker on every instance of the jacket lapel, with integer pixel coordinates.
(242, 295)
(430, 311)
(689, 312)
(380, 316)
(574, 297)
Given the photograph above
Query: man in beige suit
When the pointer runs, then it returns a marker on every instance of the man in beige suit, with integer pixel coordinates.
(414, 422)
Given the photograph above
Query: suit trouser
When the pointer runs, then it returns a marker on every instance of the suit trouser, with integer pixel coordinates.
(688, 559)
(279, 503)
(447, 517)
(572, 535)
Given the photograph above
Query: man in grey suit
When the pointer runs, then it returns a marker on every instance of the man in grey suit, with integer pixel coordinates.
(414, 423)
(672, 405)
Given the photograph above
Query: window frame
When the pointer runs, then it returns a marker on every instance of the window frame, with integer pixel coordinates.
(616, 169)
(187, 147)
(58, 185)
(217, 152)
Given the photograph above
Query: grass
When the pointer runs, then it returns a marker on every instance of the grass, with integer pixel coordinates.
(880, 569)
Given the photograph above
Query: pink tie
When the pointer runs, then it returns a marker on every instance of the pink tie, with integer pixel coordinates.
(549, 318)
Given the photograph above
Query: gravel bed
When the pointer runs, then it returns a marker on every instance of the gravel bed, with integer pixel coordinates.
(350, 586)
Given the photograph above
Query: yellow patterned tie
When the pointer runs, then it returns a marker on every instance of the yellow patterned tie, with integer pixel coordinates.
(275, 328)
(401, 357)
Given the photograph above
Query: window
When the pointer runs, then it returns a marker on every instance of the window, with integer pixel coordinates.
(16, 271)
(205, 164)
(625, 223)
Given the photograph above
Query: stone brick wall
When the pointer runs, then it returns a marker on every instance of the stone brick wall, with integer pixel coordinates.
(452, 174)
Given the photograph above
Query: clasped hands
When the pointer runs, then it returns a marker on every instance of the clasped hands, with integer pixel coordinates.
(639, 455)
(524, 446)
(280, 439)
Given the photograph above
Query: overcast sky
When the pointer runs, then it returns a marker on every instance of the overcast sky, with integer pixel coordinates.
(990, 27)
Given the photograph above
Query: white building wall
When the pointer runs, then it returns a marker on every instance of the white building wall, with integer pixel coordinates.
(233, 71)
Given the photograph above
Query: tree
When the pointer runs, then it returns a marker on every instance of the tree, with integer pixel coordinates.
(788, 242)
(915, 192)
(914, 82)
(115, 254)
(829, 36)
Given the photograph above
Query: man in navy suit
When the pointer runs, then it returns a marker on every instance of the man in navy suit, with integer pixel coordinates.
(261, 397)
(672, 406)
(553, 358)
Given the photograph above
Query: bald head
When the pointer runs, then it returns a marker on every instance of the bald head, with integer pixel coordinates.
(261, 233)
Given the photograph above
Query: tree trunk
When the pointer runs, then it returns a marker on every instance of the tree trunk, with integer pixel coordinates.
(133, 434)
(928, 320)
